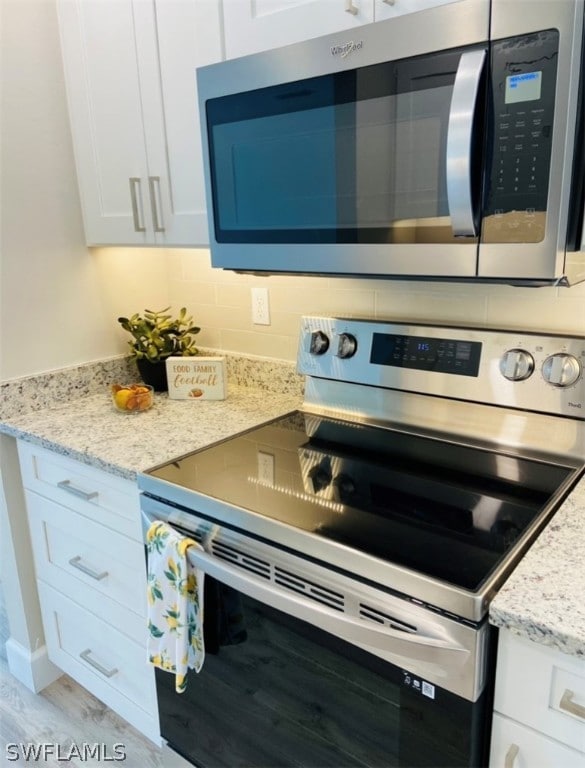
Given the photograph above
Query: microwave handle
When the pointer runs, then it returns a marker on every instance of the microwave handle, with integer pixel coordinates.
(459, 143)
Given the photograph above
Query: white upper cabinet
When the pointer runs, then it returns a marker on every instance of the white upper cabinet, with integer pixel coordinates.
(388, 9)
(131, 87)
(257, 25)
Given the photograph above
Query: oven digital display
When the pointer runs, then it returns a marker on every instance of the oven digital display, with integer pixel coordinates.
(426, 354)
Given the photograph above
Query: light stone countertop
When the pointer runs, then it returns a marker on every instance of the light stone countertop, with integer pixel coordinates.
(544, 599)
(90, 430)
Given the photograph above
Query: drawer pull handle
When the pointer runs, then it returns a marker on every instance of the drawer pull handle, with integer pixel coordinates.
(511, 756)
(568, 705)
(65, 485)
(76, 563)
(102, 670)
(351, 8)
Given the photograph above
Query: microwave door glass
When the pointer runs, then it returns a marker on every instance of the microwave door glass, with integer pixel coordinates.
(351, 157)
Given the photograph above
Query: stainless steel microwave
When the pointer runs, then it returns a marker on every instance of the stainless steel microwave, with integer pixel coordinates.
(443, 144)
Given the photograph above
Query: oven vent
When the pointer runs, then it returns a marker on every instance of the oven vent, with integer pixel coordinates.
(242, 559)
(373, 614)
(309, 589)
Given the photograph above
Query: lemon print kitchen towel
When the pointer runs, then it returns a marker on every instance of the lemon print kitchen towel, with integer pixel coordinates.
(175, 604)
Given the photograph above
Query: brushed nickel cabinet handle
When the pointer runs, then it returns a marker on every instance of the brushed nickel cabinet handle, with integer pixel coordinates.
(76, 563)
(136, 208)
(511, 755)
(568, 705)
(389, 2)
(85, 655)
(351, 8)
(66, 485)
(155, 204)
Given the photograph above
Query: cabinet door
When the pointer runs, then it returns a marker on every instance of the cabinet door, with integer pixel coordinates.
(174, 37)
(542, 688)
(388, 9)
(101, 658)
(257, 25)
(103, 91)
(130, 75)
(516, 746)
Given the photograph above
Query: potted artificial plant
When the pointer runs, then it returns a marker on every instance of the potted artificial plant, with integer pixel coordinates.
(156, 336)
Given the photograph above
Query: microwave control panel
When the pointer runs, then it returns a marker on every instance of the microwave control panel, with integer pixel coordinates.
(523, 86)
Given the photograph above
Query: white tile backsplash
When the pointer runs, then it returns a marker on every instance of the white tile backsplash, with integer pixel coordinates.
(221, 303)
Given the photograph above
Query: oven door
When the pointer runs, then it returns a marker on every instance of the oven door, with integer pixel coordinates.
(290, 680)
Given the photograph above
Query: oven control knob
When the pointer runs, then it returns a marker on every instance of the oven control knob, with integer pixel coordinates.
(347, 346)
(561, 370)
(516, 365)
(319, 343)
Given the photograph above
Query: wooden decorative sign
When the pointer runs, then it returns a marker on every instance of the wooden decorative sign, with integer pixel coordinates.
(196, 378)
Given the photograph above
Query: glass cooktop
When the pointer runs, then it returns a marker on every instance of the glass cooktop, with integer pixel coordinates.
(447, 510)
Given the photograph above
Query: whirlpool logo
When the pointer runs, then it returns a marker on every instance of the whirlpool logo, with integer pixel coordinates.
(344, 50)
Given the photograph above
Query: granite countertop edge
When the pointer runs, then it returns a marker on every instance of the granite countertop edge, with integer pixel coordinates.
(544, 598)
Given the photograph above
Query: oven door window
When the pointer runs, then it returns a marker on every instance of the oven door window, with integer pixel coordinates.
(276, 692)
(352, 157)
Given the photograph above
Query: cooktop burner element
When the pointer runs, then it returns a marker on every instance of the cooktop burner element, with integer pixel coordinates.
(424, 461)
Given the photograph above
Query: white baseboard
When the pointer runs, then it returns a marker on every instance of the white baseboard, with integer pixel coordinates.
(33, 669)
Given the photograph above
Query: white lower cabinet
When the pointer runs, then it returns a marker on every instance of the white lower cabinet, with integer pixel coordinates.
(90, 568)
(516, 746)
(100, 657)
(539, 717)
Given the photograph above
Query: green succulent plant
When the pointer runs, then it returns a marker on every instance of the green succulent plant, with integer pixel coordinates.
(156, 335)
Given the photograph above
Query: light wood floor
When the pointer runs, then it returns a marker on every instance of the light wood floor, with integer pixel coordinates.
(65, 713)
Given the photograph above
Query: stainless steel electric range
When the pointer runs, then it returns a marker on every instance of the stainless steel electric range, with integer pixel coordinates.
(351, 548)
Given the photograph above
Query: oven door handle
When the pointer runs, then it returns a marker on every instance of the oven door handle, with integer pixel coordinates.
(430, 643)
(423, 644)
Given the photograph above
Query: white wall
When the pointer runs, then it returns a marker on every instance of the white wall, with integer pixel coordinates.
(55, 297)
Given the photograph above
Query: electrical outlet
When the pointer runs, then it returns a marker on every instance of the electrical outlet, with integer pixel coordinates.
(265, 468)
(260, 306)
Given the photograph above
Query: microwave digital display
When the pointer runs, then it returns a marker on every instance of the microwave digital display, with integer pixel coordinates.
(524, 87)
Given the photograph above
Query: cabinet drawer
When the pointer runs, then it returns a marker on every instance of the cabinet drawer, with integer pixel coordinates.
(106, 662)
(542, 688)
(516, 746)
(89, 563)
(93, 493)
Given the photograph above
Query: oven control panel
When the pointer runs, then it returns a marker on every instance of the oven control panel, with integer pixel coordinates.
(518, 369)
